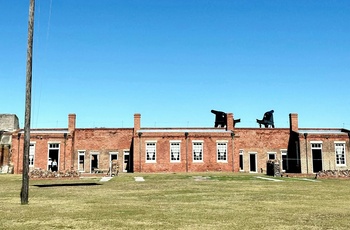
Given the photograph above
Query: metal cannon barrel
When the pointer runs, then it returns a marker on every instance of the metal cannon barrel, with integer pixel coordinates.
(267, 119)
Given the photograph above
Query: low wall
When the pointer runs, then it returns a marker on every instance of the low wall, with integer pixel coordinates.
(40, 173)
(333, 174)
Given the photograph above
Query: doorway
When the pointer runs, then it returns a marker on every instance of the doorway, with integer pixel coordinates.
(241, 161)
(284, 160)
(81, 161)
(252, 162)
(93, 162)
(54, 153)
(316, 149)
(317, 160)
(126, 161)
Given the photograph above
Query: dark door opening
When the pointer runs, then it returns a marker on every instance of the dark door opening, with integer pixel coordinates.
(241, 162)
(81, 162)
(53, 161)
(317, 160)
(284, 163)
(252, 159)
(126, 162)
(94, 162)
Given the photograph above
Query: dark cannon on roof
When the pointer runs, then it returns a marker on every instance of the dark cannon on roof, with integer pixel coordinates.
(267, 120)
(221, 119)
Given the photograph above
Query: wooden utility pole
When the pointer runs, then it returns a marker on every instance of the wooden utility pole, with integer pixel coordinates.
(28, 105)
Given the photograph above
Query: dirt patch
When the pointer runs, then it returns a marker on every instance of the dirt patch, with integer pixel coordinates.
(201, 178)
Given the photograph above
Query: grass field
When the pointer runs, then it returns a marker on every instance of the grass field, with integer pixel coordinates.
(177, 201)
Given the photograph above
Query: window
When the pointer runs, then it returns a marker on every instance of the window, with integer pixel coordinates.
(151, 152)
(54, 146)
(175, 151)
(197, 151)
(316, 145)
(221, 151)
(241, 164)
(31, 154)
(113, 156)
(271, 156)
(340, 154)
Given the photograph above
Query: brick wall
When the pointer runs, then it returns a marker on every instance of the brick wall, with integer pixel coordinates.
(328, 151)
(255, 143)
(163, 163)
(41, 141)
(101, 142)
(260, 141)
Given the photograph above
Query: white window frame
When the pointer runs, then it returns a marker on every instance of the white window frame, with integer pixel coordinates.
(197, 143)
(113, 154)
(52, 145)
(32, 154)
(271, 153)
(150, 149)
(175, 147)
(341, 144)
(81, 153)
(316, 144)
(241, 153)
(218, 149)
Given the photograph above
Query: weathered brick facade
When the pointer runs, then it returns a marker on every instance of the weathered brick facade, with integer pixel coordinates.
(185, 137)
(101, 143)
(40, 140)
(261, 143)
(318, 149)
(229, 149)
(8, 124)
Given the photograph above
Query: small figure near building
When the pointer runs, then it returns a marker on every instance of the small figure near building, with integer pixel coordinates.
(49, 164)
(54, 165)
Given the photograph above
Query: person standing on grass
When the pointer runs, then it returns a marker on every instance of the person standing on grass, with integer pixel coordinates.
(54, 165)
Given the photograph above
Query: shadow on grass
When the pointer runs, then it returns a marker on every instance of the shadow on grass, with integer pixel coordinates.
(66, 184)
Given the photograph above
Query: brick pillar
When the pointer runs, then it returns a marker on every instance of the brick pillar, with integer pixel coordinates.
(71, 122)
(293, 122)
(137, 144)
(229, 121)
(137, 122)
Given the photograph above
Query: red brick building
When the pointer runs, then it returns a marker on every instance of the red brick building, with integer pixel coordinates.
(228, 149)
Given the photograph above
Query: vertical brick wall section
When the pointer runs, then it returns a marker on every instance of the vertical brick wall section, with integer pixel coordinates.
(41, 140)
(260, 141)
(293, 122)
(328, 151)
(102, 142)
(163, 160)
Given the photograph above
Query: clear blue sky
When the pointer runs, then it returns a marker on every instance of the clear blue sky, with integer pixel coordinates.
(175, 60)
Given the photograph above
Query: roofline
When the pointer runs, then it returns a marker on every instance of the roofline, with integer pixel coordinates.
(184, 130)
(46, 131)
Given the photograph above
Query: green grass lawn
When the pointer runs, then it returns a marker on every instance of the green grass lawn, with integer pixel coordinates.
(177, 201)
